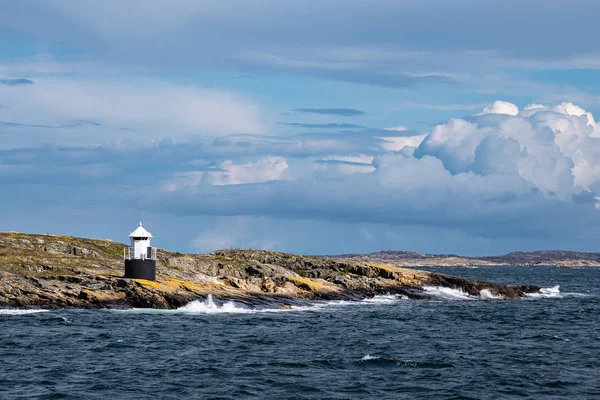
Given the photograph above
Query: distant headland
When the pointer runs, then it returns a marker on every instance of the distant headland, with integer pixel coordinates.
(552, 258)
(47, 271)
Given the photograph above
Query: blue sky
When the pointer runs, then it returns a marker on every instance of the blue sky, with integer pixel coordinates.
(320, 127)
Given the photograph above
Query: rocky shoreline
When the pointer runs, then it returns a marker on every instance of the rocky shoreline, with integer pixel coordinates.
(47, 271)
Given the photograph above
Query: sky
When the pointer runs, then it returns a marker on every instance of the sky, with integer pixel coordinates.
(315, 127)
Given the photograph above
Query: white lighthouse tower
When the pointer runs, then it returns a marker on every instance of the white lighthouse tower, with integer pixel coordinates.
(140, 257)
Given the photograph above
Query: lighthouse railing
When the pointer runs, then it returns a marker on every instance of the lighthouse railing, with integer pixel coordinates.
(150, 255)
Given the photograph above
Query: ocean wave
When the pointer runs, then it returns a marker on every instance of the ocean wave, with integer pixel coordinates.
(377, 360)
(553, 293)
(546, 293)
(379, 299)
(208, 306)
(550, 292)
(384, 299)
(14, 311)
(446, 293)
(486, 294)
(369, 357)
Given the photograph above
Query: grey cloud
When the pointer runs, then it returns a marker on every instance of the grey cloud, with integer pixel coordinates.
(127, 163)
(342, 162)
(342, 112)
(417, 24)
(322, 126)
(416, 39)
(16, 82)
(384, 79)
(15, 124)
(365, 200)
(77, 124)
(442, 106)
(370, 72)
(74, 124)
(307, 144)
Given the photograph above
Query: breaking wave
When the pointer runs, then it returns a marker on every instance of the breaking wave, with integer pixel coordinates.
(369, 357)
(209, 306)
(384, 299)
(553, 293)
(445, 293)
(212, 306)
(486, 294)
(369, 360)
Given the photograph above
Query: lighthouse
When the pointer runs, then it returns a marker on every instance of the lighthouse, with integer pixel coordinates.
(140, 257)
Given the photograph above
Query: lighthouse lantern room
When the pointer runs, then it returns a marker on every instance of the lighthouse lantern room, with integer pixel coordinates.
(140, 257)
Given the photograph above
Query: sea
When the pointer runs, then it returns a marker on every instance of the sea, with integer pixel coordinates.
(454, 346)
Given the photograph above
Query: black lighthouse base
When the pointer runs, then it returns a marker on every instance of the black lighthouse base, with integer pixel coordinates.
(140, 269)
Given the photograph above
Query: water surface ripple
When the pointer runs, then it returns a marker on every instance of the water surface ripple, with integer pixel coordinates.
(546, 347)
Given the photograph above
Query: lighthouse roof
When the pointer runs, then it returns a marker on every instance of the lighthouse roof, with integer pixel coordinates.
(140, 232)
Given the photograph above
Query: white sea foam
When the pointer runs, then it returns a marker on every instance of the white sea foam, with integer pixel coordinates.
(445, 293)
(546, 293)
(12, 311)
(209, 306)
(384, 299)
(553, 293)
(378, 359)
(486, 294)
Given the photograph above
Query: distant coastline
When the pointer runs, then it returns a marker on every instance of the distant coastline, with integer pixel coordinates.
(550, 258)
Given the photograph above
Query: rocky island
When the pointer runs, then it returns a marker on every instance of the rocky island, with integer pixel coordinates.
(47, 271)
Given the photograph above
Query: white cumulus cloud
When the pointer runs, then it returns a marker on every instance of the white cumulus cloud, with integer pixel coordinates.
(230, 173)
(501, 107)
(553, 148)
(264, 170)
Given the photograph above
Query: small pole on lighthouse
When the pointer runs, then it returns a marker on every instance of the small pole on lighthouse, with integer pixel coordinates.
(140, 257)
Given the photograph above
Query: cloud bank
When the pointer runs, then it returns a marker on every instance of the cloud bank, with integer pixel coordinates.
(508, 174)
(505, 172)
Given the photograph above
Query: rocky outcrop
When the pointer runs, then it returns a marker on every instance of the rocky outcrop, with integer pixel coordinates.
(51, 271)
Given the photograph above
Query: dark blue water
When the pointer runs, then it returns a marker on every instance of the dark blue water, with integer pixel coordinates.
(548, 347)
